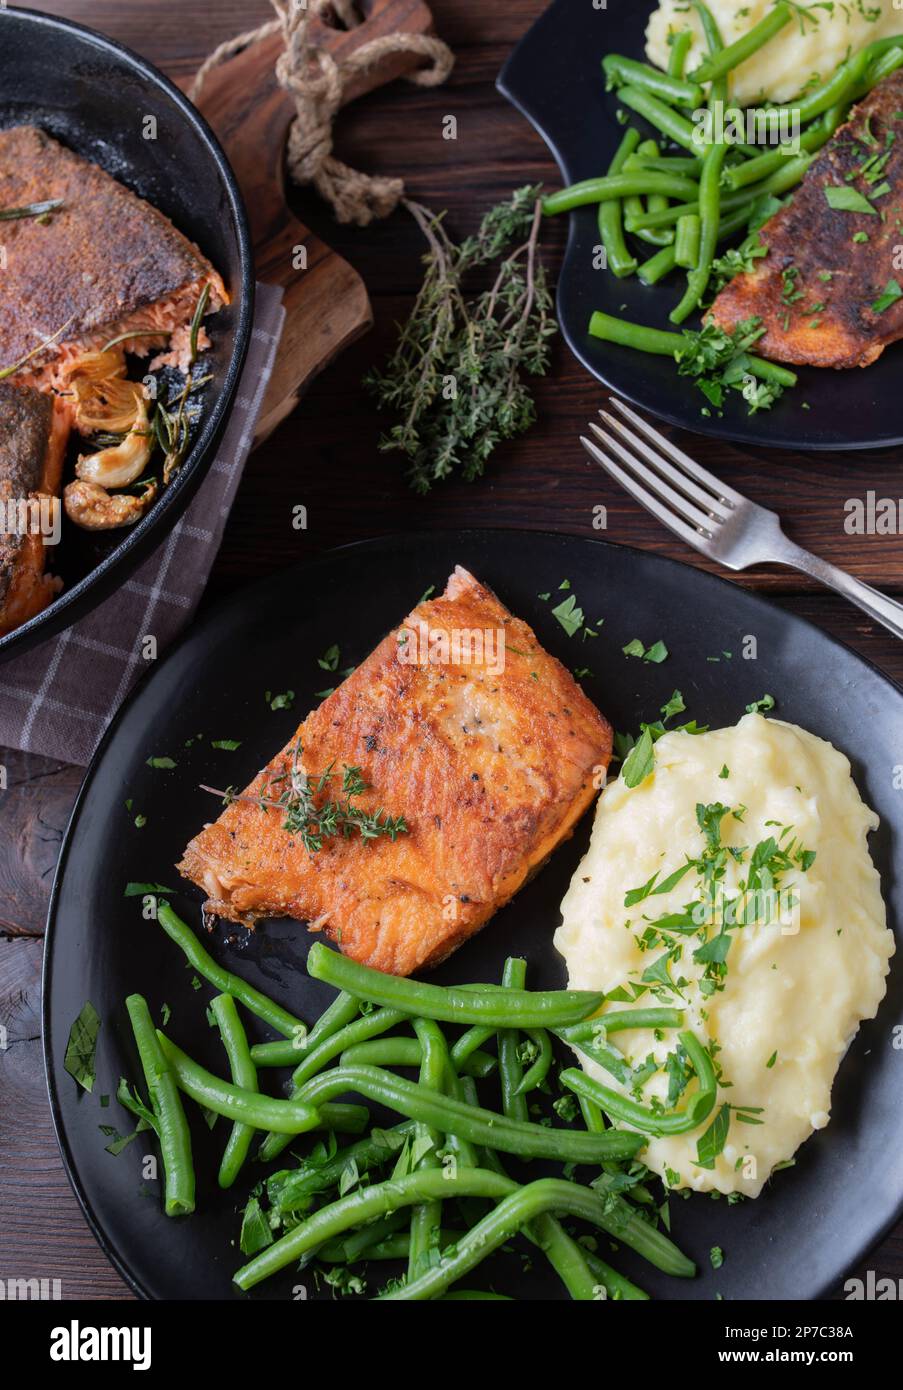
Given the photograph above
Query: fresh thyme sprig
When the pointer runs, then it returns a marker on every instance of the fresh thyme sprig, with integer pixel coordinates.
(311, 822)
(455, 378)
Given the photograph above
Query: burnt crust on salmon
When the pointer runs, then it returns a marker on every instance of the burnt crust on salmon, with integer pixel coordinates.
(491, 769)
(34, 429)
(25, 421)
(816, 288)
(99, 258)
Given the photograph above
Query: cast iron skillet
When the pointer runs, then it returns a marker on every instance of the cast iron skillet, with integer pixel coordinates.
(811, 1223)
(554, 77)
(94, 96)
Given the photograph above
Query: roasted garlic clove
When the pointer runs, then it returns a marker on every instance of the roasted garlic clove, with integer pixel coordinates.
(90, 506)
(120, 464)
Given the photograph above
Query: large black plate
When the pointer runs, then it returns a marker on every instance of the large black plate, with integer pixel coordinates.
(94, 96)
(812, 1223)
(554, 77)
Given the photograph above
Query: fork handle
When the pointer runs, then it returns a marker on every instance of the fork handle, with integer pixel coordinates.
(878, 606)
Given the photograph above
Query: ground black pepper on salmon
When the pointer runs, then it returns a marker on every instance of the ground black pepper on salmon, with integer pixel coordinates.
(105, 262)
(830, 289)
(34, 429)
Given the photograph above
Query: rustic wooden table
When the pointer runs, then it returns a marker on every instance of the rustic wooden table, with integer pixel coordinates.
(325, 457)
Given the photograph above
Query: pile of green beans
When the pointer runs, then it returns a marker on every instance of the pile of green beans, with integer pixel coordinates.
(432, 1191)
(700, 189)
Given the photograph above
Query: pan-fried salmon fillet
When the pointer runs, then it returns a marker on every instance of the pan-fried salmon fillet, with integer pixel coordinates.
(104, 263)
(491, 761)
(34, 429)
(822, 289)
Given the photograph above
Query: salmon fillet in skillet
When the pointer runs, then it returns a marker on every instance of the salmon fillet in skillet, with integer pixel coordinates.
(104, 263)
(490, 768)
(820, 291)
(34, 429)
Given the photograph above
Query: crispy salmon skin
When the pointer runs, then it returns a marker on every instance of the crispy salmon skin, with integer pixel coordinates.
(34, 429)
(104, 262)
(821, 290)
(490, 758)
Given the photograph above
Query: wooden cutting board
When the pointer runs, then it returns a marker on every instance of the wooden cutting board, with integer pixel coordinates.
(326, 302)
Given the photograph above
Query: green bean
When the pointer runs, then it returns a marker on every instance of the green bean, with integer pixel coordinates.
(367, 1204)
(680, 43)
(710, 218)
(244, 1074)
(364, 1027)
(514, 1105)
(343, 1010)
(772, 371)
(516, 1210)
(395, 1246)
(610, 1058)
(407, 1052)
(453, 1116)
(626, 72)
(658, 266)
(621, 1020)
(764, 165)
(599, 190)
(344, 1119)
(656, 202)
(223, 980)
(291, 1189)
(648, 1121)
(426, 1218)
(545, 1232)
(718, 65)
(844, 82)
(664, 118)
(614, 1284)
(349, 1249)
(664, 164)
(166, 1103)
(223, 1098)
(660, 344)
(686, 246)
(469, 1043)
(538, 1070)
(501, 1009)
(611, 225)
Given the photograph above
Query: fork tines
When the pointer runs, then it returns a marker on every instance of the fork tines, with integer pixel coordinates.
(682, 494)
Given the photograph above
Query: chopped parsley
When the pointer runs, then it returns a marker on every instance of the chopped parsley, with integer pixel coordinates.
(846, 199)
(892, 294)
(82, 1047)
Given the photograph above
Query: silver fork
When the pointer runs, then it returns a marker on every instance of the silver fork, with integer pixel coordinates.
(710, 516)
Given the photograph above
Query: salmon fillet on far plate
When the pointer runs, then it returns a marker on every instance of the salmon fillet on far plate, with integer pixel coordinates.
(34, 430)
(490, 755)
(827, 292)
(102, 264)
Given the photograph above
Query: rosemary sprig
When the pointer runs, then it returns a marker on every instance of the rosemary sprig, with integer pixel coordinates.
(31, 210)
(46, 343)
(314, 823)
(456, 376)
(176, 427)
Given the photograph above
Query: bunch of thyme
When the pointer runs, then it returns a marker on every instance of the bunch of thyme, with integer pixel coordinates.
(456, 376)
(296, 794)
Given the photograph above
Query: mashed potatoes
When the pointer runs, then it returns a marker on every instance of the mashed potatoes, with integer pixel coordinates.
(794, 994)
(780, 70)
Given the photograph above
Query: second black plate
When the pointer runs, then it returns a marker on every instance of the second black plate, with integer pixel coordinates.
(812, 1222)
(555, 77)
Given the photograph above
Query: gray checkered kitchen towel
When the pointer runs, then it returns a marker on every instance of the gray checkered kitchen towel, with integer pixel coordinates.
(58, 699)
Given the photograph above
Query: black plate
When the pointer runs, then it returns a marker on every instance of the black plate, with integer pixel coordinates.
(554, 76)
(94, 96)
(814, 1220)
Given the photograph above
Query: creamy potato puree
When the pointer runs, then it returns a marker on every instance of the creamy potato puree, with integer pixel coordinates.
(780, 70)
(800, 995)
